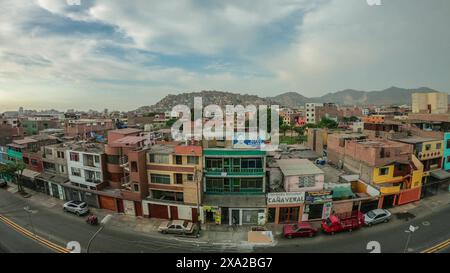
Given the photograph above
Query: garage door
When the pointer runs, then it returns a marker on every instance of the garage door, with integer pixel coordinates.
(108, 203)
(158, 211)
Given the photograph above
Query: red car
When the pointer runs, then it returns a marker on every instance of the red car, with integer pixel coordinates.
(299, 230)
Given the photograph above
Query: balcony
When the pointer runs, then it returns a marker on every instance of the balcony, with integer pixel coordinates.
(234, 172)
(125, 180)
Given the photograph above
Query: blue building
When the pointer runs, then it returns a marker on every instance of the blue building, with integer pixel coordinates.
(446, 164)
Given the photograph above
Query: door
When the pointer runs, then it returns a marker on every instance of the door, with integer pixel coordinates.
(107, 202)
(138, 209)
(235, 217)
(158, 211)
(174, 213)
(194, 215)
(388, 201)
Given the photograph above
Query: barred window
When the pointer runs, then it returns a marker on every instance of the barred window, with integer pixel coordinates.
(306, 181)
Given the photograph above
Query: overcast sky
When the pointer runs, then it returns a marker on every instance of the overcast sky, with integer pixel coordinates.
(124, 54)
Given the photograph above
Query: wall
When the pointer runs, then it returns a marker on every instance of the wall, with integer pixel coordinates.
(291, 184)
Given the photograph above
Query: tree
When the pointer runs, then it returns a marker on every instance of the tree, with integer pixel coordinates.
(299, 130)
(284, 128)
(170, 122)
(14, 170)
(328, 123)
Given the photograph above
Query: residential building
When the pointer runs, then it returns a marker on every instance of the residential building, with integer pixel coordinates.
(22, 149)
(299, 177)
(430, 103)
(388, 165)
(329, 111)
(174, 174)
(234, 186)
(378, 127)
(86, 165)
(9, 131)
(88, 128)
(311, 112)
(446, 164)
(32, 126)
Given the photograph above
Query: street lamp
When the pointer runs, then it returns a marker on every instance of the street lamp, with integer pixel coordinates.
(198, 190)
(411, 230)
(29, 212)
(103, 223)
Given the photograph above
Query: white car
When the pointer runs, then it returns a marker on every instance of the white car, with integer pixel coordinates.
(377, 216)
(78, 207)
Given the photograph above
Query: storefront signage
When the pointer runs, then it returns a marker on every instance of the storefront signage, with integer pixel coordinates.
(285, 198)
(327, 210)
(318, 197)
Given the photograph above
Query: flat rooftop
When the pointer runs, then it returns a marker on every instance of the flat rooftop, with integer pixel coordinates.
(416, 140)
(126, 131)
(291, 167)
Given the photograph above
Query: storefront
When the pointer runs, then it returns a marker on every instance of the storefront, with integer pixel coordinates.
(51, 185)
(235, 209)
(318, 205)
(285, 207)
(174, 211)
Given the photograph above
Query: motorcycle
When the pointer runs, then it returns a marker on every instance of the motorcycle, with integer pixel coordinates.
(92, 220)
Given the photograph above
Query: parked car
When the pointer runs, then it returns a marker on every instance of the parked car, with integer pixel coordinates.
(179, 227)
(3, 183)
(299, 230)
(377, 216)
(338, 223)
(78, 207)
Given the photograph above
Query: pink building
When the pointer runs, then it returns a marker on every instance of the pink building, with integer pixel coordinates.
(301, 175)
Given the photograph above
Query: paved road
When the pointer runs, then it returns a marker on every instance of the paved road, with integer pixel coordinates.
(433, 228)
(61, 228)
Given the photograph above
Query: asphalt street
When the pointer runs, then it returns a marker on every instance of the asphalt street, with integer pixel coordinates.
(61, 228)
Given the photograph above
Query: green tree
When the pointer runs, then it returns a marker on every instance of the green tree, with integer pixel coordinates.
(170, 122)
(328, 123)
(284, 128)
(299, 130)
(14, 170)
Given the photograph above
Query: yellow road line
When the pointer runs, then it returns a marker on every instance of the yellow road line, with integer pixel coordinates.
(437, 247)
(29, 234)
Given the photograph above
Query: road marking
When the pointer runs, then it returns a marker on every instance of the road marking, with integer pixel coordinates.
(437, 247)
(32, 236)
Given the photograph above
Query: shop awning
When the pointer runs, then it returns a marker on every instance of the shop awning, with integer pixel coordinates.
(30, 174)
(440, 174)
(342, 192)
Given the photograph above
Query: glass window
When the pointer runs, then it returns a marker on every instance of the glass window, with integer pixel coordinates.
(159, 158)
(428, 147)
(192, 160)
(160, 179)
(438, 146)
(384, 171)
(74, 157)
(179, 160)
(190, 177)
(76, 172)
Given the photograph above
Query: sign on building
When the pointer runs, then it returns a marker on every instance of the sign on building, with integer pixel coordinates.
(285, 198)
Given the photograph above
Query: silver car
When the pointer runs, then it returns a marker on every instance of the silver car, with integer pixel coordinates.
(377, 216)
(77, 207)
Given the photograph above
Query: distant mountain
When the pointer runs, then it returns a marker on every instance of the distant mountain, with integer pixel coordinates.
(289, 99)
(390, 96)
(209, 97)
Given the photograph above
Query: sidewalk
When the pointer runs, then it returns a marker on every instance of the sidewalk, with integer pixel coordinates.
(222, 234)
(210, 234)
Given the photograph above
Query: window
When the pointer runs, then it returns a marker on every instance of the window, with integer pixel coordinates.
(34, 162)
(134, 166)
(438, 146)
(448, 144)
(179, 160)
(190, 177)
(74, 157)
(251, 163)
(306, 181)
(49, 151)
(427, 147)
(448, 160)
(60, 155)
(76, 172)
(26, 160)
(383, 171)
(192, 160)
(112, 159)
(96, 159)
(136, 187)
(159, 158)
(213, 163)
(62, 169)
(160, 179)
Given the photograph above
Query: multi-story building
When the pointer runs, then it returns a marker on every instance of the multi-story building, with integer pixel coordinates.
(446, 164)
(28, 149)
(310, 109)
(174, 176)
(86, 165)
(9, 132)
(32, 126)
(234, 186)
(388, 165)
(329, 111)
(430, 103)
(88, 128)
(298, 177)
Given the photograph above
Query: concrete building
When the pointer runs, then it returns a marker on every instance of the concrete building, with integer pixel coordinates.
(310, 109)
(86, 165)
(389, 166)
(32, 126)
(446, 165)
(329, 111)
(174, 176)
(88, 128)
(430, 103)
(234, 186)
(9, 131)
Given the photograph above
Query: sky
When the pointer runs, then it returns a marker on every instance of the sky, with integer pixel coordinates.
(121, 55)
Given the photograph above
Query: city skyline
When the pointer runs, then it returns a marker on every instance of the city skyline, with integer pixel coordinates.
(100, 54)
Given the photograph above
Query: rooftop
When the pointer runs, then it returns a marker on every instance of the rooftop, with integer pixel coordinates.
(162, 149)
(129, 140)
(417, 139)
(291, 167)
(188, 150)
(94, 148)
(126, 131)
